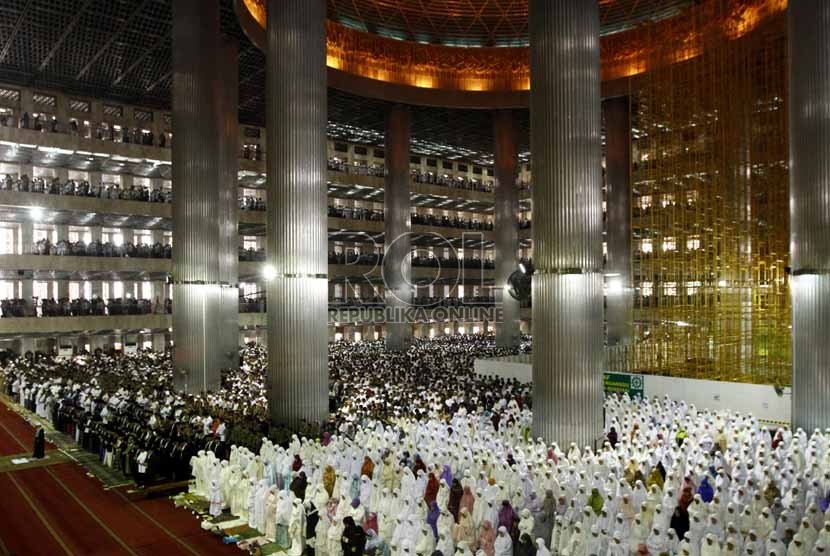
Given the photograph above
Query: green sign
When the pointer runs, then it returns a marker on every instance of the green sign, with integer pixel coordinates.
(620, 383)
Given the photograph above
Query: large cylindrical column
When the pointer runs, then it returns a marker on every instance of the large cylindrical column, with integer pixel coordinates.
(197, 126)
(567, 234)
(809, 36)
(506, 163)
(229, 211)
(397, 227)
(619, 313)
(297, 225)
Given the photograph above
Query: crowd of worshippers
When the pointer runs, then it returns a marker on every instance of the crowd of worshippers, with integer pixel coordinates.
(251, 253)
(447, 222)
(66, 248)
(83, 188)
(354, 257)
(434, 377)
(421, 455)
(355, 213)
(80, 307)
(258, 303)
(252, 151)
(249, 202)
(443, 221)
(421, 301)
(337, 165)
(102, 132)
(122, 406)
(460, 182)
(431, 178)
(668, 480)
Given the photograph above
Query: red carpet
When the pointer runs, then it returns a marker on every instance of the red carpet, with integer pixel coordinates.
(10, 446)
(166, 547)
(88, 520)
(123, 519)
(75, 526)
(19, 428)
(20, 528)
(83, 534)
(186, 526)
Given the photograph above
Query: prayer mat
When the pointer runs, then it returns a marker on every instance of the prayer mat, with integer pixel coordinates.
(223, 518)
(226, 524)
(272, 548)
(252, 544)
(242, 532)
(191, 502)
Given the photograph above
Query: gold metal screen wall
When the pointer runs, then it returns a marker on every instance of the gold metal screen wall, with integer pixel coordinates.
(710, 208)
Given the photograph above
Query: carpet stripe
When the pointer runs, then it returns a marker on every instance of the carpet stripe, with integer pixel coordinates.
(80, 531)
(120, 516)
(22, 533)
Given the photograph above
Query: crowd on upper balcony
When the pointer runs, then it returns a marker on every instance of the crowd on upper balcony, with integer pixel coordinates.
(456, 182)
(80, 307)
(441, 221)
(101, 132)
(250, 202)
(418, 176)
(251, 254)
(337, 165)
(99, 249)
(83, 188)
(355, 213)
(355, 258)
(444, 221)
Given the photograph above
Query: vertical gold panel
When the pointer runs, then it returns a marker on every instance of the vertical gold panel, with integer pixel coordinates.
(710, 203)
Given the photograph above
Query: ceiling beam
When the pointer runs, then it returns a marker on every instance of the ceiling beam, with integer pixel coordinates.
(64, 35)
(251, 99)
(17, 25)
(147, 53)
(113, 37)
(252, 75)
(158, 81)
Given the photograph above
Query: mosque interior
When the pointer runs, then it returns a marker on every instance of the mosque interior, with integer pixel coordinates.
(351, 257)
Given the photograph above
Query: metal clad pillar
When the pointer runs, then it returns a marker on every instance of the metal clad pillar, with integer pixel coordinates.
(567, 235)
(619, 285)
(229, 210)
(197, 126)
(506, 224)
(809, 36)
(297, 224)
(397, 226)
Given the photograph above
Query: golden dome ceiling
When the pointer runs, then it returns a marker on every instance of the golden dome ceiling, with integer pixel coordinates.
(411, 50)
(478, 22)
